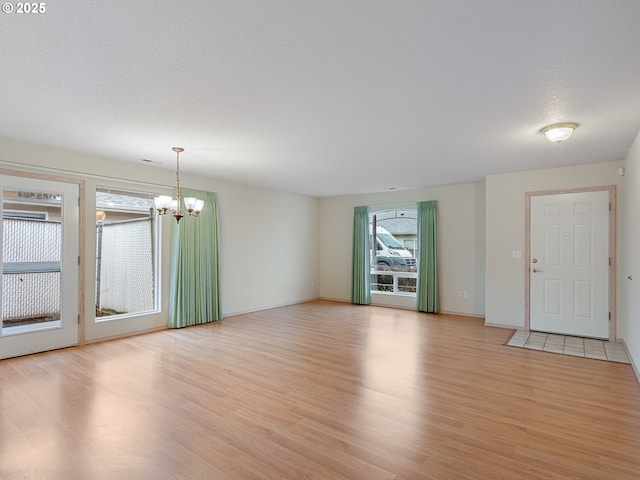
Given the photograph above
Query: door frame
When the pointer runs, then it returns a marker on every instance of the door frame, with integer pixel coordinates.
(612, 250)
(81, 233)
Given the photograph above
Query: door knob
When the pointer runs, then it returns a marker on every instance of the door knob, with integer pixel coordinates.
(535, 270)
(630, 277)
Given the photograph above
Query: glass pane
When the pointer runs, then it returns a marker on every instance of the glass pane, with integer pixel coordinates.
(125, 253)
(32, 243)
(393, 263)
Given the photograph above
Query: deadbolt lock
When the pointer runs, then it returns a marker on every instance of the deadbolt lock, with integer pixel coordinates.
(534, 260)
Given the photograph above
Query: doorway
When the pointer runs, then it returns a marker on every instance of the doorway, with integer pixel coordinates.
(39, 236)
(571, 256)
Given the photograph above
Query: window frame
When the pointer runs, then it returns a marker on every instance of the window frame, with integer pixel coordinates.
(395, 298)
(156, 222)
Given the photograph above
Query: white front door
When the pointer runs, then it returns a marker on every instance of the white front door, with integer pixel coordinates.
(569, 264)
(39, 285)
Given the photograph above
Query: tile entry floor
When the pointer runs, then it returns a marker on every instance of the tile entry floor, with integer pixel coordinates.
(567, 345)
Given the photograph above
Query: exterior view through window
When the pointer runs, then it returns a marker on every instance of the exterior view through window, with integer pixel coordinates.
(126, 253)
(32, 240)
(393, 262)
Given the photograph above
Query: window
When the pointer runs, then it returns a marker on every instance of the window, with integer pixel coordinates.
(393, 265)
(31, 258)
(411, 245)
(126, 253)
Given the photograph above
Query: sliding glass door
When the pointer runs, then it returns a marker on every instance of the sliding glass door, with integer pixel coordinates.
(39, 288)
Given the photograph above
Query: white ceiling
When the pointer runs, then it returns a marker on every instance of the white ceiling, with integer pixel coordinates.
(326, 97)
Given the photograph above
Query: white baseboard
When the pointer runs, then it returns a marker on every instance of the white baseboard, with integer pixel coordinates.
(499, 325)
(269, 307)
(460, 314)
(633, 364)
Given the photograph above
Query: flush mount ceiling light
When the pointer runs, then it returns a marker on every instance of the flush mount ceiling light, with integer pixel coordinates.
(165, 204)
(559, 132)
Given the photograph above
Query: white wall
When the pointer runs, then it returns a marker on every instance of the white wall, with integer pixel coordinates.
(461, 240)
(268, 238)
(505, 210)
(269, 244)
(629, 329)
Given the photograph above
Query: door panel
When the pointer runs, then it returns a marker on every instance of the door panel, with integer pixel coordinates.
(552, 297)
(552, 245)
(569, 270)
(583, 251)
(39, 284)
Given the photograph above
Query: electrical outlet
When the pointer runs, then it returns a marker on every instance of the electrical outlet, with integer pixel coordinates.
(466, 294)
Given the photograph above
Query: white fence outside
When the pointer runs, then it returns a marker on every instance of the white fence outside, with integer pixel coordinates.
(125, 266)
(31, 269)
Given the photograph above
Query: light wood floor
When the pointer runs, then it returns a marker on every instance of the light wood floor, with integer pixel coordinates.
(318, 391)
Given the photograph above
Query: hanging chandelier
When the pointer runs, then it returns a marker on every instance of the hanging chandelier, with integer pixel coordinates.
(165, 204)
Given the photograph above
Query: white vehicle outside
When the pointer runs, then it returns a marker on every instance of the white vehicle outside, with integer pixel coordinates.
(391, 253)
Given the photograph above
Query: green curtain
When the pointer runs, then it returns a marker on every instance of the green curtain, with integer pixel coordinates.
(427, 287)
(361, 260)
(195, 265)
